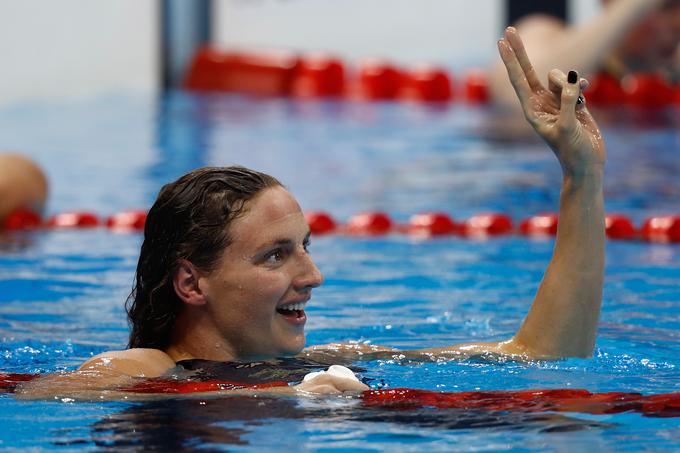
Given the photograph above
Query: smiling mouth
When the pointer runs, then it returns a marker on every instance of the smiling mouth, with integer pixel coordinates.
(296, 310)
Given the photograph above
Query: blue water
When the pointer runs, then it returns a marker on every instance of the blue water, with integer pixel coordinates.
(62, 292)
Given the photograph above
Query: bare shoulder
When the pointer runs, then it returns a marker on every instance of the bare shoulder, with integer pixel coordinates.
(138, 362)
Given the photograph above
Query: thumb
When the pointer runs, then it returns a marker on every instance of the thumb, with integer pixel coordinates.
(570, 93)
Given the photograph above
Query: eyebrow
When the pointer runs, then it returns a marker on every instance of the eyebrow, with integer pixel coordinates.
(281, 242)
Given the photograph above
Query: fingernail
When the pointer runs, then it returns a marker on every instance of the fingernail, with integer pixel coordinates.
(572, 77)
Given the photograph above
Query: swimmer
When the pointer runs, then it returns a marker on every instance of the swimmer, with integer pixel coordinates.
(225, 271)
(23, 185)
(628, 36)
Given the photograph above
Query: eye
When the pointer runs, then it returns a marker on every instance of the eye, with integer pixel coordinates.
(306, 244)
(275, 256)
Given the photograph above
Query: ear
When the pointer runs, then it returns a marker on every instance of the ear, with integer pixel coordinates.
(185, 281)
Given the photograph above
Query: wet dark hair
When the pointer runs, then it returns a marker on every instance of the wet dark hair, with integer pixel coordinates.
(189, 220)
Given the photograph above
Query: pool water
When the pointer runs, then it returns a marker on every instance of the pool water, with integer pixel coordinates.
(62, 292)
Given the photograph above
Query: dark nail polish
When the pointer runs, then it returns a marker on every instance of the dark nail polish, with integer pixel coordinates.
(572, 77)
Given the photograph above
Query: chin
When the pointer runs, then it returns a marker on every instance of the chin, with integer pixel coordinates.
(293, 348)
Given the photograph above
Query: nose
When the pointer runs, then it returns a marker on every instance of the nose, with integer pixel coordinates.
(309, 276)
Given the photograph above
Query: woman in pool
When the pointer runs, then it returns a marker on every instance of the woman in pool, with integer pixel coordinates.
(224, 272)
(628, 36)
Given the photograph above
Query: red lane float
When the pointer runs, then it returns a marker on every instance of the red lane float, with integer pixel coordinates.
(74, 219)
(647, 91)
(618, 226)
(259, 73)
(320, 222)
(21, 219)
(431, 224)
(488, 224)
(476, 87)
(319, 75)
(605, 90)
(539, 225)
(379, 80)
(427, 83)
(661, 229)
(127, 220)
(369, 223)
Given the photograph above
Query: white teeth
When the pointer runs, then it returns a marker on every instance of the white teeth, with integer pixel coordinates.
(292, 307)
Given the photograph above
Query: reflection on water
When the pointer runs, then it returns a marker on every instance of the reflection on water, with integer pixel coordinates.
(15, 242)
(182, 424)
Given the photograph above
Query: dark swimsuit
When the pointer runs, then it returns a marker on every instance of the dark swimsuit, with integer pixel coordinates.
(517, 9)
(286, 369)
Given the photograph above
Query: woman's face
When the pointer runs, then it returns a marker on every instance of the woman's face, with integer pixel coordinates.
(257, 294)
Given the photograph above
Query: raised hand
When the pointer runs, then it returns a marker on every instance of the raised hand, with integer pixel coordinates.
(556, 113)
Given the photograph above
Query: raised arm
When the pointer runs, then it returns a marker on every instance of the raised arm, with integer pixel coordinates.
(583, 48)
(563, 318)
(562, 321)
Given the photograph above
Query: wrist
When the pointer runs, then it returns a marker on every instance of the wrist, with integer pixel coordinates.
(591, 176)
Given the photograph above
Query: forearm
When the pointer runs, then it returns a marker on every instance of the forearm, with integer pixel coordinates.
(347, 353)
(75, 385)
(562, 321)
(89, 386)
(563, 318)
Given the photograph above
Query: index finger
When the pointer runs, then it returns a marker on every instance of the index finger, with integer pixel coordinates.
(517, 45)
(515, 73)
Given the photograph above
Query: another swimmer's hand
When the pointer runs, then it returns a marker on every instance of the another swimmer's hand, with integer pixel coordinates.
(337, 379)
(554, 112)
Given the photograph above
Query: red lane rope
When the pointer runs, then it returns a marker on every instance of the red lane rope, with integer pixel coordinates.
(555, 400)
(617, 226)
(558, 400)
(9, 381)
(662, 229)
(282, 73)
(176, 387)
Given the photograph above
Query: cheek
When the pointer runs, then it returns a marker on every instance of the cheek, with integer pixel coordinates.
(266, 289)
